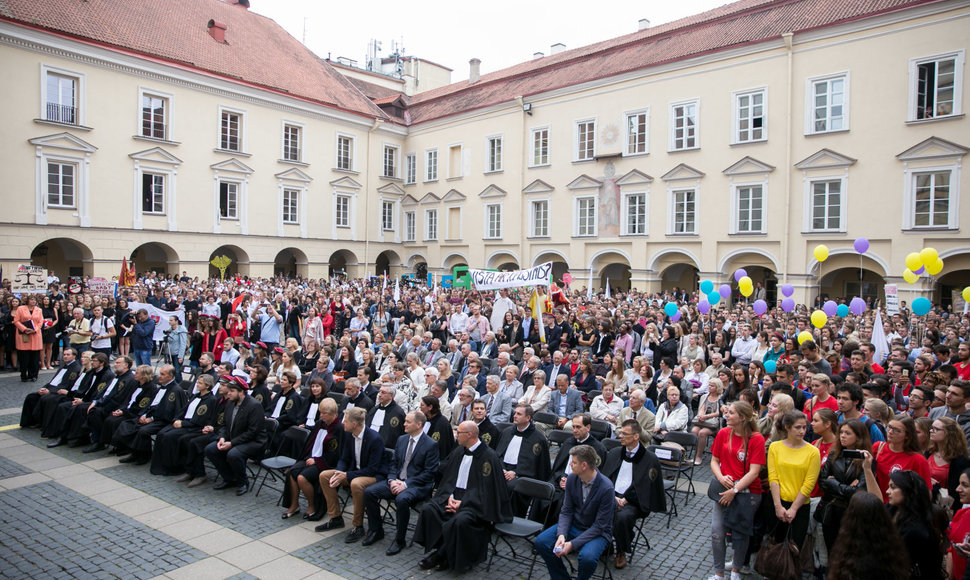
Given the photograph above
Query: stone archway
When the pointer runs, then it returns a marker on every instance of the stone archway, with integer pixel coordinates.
(677, 269)
(759, 265)
(613, 266)
(386, 262)
(342, 263)
(155, 256)
(238, 265)
(64, 257)
(559, 264)
(502, 261)
(954, 277)
(291, 263)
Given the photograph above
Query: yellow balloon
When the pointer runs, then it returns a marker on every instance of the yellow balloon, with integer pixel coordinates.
(744, 281)
(934, 268)
(913, 261)
(821, 252)
(928, 256)
(746, 291)
(805, 335)
(819, 319)
(966, 294)
(909, 276)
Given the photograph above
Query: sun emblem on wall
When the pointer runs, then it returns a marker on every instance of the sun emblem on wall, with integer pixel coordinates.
(611, 133)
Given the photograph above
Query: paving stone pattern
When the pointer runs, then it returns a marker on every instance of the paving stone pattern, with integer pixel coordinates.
(93, 542)
(10, 468)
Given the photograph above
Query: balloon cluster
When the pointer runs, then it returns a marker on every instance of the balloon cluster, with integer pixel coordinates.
(926, 261)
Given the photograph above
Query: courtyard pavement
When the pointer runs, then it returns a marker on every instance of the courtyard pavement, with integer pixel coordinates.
(64, 514)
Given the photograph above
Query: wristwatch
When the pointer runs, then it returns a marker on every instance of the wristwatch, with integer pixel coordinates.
(736, 490)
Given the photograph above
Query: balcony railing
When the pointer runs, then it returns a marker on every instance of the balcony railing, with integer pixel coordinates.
(62, 113)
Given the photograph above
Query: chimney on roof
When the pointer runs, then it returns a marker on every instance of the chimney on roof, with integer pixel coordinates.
(557, 48)
(217, 30)
(643, 24)
(474, 70)
(241, 3)
(537, 55)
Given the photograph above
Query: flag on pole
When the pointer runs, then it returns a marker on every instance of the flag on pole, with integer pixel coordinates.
(397, 290)
(589, 287)
(879, 341)
(384, 283)
(538, 307)
(607, 288)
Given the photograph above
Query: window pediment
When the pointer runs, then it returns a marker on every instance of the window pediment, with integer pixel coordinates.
(63, 141)
(933, 148)
(825, 159)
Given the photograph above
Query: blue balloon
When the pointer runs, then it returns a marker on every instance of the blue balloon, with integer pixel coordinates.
(842, 311)
(921, 306)
(770, 366)
(670, 308)
(707, 287)
(714, 298)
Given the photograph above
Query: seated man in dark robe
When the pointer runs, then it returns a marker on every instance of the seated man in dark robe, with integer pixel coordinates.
(355, 397)
(241, 438)
(472, 496)
(136, 398)
(487, 432)
(437, 426)
(525, 453)
(136, 435)
(63, 379)
(105, 391)
(638, 483)
(322, 451)
(387, 417)
(192, 449)
(199, 412)
(57, 410)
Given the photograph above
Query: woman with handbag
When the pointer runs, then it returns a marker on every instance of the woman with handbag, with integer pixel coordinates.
(840, 478)
(737, 455)
(793, 467)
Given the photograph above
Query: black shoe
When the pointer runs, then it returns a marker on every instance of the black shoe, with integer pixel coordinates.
(143, 459)
(316, 516)
(127, 458)
(57, 443)
(76, 443)
(428, 562)
(333, 524)
(225, 485)
(372, 537)
(94, 447)
(242, 488)
(395, 548)
(355, 535)
(288, 515)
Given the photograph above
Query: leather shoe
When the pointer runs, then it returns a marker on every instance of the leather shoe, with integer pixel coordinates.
(94, 447)
(333, 524)
(315, 516)
(224, 485)
(57, 443)
(372, 537)
(197, 482)
(243, 489)
(429, 561)
(128, 458)
(143, 460)
(395, 548)
(183, 478)
(355, 535)
(76, 443)
(620, 561)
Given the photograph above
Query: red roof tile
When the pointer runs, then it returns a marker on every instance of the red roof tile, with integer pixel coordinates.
(257, 51)
(736, 24)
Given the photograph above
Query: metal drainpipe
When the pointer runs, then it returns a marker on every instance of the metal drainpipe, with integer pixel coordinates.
(788, 145)
(524, 218)
(367, 194)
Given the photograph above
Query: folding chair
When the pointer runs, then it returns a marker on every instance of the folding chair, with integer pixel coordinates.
(611, 444)
(602, 430)
(689, 442)
(276, 466)
(670, 460)
(252, 466)
(524, 528)
(558, 437)
(546, 418)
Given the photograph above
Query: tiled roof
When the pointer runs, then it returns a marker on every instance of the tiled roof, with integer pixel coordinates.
(732, 25)
(257, 51)
(373, 91)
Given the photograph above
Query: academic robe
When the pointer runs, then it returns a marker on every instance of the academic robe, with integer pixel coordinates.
(61, 421)
(460, 537)
(165, 455)
(533, 461)
(30, 415)
(104, 403)
(192, 449)
(132, 434)
(131, 408)
(645, 494)
(562, 458)
(261, 393)
(331, 450)
(488, 433)
(289, 414)
(439, 429)
(393, 425)
(46, 412)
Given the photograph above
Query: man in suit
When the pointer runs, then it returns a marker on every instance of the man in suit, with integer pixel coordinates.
(565, 402)
(241, 437)
(432, 357)
(356, 396)
(387, 417)
(463, 410)
(561, 467)
(360, 465)
(553, 332)
(474, 370)
(63, 380)
(556, 368)
(498, 405)
(530, 368)
(409, 480)
(640, 414)
(585, 521)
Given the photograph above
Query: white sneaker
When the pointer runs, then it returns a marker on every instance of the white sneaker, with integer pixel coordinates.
(735, 575)
(716, 577)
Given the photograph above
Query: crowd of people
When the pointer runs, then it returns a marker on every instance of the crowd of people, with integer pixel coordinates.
(444, 402)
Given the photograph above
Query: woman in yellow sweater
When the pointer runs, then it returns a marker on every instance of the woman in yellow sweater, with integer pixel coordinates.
(793, 467)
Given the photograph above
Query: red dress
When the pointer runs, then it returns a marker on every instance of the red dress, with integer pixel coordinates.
(958, 533)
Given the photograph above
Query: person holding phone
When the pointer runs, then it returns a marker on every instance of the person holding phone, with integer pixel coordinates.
(959, 532)
(841, 477)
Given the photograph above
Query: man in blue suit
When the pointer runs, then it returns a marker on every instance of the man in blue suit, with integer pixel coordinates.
(585, 521)
(565, 402)
(360, 465)
(409, 480)
(556, 368)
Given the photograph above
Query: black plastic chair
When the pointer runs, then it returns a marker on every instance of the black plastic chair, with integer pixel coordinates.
(558, 437)
(253, 466)
(689, 442)
(524, 528)
(611, 444)
(670, 460)
(277, 465)
(546, 418)
(602, 430)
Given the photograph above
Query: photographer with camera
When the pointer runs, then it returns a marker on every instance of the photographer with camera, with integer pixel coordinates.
(142, 338)
(270, 321)
(177, 338)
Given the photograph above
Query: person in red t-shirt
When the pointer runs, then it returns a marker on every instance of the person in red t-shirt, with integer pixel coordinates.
(963, 362)
(959, 531)
(900, 452)
(737, 455)
(822, 399)
(824, 424)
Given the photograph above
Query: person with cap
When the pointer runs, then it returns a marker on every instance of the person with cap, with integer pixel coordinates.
(241, 438)
(257, 384)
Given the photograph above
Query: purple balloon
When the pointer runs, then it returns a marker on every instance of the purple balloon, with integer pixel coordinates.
(788, 304)
(676, 316)
(724, 291)
(739, 273)
(861, 245)
(704, 306)
(830, 308)
(760, 307)
(921, 271)
(787, 290)
(857, 306)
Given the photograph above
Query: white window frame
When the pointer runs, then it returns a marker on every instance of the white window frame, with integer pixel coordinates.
(169, 100)
(487, 231)
(410, 225)
(736, 207)
(625, 213)
(164, 193)
(396, 151)
(494, 153)
(342, 221)
(242, 129)
(388, 209)
(736, 129)
(809, 203)
(75, 165)
(295, 194)
(909, 197)
(431, 225)
(810, 103)
(534, 231)
(431, 164)
(533, 134)
(672, 143)
(578, 225)
(301, 131)
(578, 153)
(672, 211)
(410, 168)
(79, 96)
(630, 151)
(959, 61)
(234, 191)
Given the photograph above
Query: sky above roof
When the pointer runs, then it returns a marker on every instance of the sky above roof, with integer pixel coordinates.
(501, 33)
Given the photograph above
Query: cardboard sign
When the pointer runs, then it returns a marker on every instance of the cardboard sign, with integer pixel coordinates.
(892, 299)
(29, 280)
(101, 286)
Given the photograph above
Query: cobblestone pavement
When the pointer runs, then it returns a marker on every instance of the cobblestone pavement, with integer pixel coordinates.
(201, 533)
